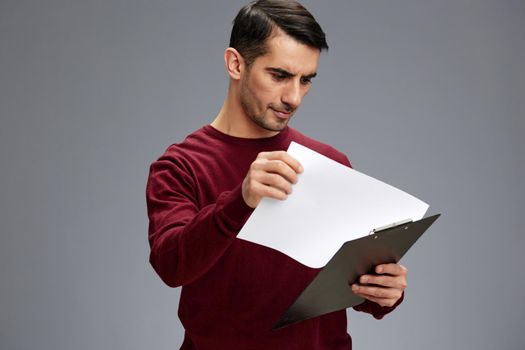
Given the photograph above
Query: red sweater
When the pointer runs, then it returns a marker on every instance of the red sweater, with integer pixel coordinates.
(233, 291)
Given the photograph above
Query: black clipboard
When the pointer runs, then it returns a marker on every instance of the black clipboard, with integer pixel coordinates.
(331, 289)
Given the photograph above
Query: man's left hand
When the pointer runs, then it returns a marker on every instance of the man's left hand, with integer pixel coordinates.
(386, 287)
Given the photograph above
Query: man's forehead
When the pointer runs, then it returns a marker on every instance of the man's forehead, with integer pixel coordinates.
(284, 52)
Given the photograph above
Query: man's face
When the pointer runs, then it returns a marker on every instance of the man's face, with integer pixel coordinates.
(273, 87)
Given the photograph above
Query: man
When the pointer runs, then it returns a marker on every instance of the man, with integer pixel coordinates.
(201, 192)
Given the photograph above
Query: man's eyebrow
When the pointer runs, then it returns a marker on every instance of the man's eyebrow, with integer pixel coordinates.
(280, 71)
(310, 76)
(288, 74)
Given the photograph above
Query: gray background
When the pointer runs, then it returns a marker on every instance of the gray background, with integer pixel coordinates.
(426, 95)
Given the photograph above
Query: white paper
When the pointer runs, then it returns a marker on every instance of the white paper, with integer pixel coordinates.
(329, 205)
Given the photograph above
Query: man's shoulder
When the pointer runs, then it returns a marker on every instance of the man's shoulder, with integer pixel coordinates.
(185, 151)
(319, 147)
(189, 144)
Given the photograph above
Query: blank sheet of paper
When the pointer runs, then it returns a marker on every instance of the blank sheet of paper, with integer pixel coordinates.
(330, 205)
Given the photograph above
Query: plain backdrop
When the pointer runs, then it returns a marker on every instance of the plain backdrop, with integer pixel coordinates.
(428, 96)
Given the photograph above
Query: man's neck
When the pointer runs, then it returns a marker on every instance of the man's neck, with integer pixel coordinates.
(233, 121)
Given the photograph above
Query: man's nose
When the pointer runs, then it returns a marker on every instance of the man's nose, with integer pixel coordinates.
(292, 95)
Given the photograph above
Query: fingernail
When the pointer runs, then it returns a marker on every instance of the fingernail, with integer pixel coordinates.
(301, 169)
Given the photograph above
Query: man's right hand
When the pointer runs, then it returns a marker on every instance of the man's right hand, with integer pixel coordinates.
(272, 175)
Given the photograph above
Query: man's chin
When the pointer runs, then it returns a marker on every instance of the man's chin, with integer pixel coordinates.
(279, 123)
(272, 124)
(277, 126)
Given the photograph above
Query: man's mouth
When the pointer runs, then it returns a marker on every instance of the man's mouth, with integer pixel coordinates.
(282, 114)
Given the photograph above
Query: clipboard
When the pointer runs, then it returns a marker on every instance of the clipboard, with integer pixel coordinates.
(331, 289)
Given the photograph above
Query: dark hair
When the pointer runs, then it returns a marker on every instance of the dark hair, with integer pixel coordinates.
(256, 21)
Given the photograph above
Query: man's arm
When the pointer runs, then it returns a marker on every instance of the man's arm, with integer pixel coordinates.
(185, 240)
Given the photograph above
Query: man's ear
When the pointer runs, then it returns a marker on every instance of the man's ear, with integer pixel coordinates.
(234, 63)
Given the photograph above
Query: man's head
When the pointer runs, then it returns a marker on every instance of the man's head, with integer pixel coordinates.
(272, 58)
(257, 22)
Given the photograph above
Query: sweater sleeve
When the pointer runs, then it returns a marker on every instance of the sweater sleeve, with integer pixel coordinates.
(185, 240)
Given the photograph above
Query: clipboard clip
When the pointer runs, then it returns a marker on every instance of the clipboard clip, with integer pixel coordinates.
(389, 226)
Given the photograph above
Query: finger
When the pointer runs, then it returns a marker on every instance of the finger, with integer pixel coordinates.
(277, 167)
(265, 166)
(376, 292)
(263, 190)
(391, 269)
(380, 301)
(369, 297)
(276, 181)
(285, 157)
(384, 281)
(253, 191)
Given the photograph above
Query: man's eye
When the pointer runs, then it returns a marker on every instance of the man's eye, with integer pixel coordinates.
(279, 77)
(306, 81)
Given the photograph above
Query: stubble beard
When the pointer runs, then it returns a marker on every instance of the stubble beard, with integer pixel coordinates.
(263, 122)
(249, 107)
